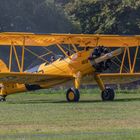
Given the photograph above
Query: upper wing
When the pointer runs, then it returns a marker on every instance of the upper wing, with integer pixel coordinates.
(30, 78)
(28, 39)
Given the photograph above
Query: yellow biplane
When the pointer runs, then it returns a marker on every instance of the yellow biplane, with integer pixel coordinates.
(85, 59)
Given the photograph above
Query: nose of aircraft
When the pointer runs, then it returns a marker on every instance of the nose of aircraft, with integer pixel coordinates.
(101, 57)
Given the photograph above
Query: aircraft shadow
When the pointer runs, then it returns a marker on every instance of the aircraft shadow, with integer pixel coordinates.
(64, 101)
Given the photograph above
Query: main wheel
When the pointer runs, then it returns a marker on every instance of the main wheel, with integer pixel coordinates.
(2, 98)
(108, 94)
(73, 95)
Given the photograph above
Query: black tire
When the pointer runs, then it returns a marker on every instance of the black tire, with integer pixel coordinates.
(72, 95)
(2, 99)
(108, 94)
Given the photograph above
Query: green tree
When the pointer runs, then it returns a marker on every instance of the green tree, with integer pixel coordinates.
(108, 16)
(33, 16)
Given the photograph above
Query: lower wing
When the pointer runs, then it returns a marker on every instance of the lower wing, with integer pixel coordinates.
(113, 78)
(118, 78)
(30, 78)
(36, 78)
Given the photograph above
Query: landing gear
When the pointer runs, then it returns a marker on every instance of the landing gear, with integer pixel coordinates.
(108, 94)
(2, 98)
(73, 95)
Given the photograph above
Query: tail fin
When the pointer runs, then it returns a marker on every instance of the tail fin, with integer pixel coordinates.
(3, 67)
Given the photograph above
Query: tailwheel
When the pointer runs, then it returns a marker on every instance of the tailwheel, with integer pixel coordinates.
(108, 94)
(73, 95)
(2, 98)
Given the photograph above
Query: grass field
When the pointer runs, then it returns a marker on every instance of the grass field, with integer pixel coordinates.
(39, 116)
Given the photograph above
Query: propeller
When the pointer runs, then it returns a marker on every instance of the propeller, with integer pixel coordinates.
(101, 58)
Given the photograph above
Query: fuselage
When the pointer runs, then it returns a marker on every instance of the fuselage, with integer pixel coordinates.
(77, 62)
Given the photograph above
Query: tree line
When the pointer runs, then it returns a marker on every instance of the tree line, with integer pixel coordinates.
(71, 16)
(42, 16)
(104, 16)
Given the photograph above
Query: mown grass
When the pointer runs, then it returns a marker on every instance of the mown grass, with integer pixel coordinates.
(46, 115)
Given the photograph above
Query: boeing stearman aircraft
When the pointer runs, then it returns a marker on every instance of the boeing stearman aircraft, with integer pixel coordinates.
(86, 59)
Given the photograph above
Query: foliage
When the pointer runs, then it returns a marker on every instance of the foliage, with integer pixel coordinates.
(69, 16)
(106, 16)
(33, 16)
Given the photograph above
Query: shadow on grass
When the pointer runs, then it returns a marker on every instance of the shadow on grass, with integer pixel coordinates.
(127, 100)
(44, 101)
(67, 135)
